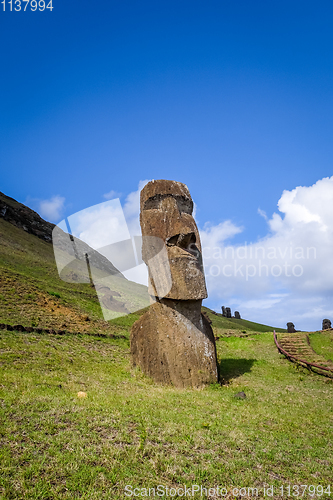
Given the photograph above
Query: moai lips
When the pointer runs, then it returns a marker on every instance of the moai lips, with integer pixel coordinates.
(172, 342)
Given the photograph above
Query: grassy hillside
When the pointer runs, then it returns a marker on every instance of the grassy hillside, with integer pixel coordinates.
(224, 325)
(31, 292)
(130, 431)
(322, 343)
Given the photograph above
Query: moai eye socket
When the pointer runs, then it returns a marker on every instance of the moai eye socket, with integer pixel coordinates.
(154, 203)
(184, 205)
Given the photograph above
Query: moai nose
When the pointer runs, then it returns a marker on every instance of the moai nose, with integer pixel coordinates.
(182, 240)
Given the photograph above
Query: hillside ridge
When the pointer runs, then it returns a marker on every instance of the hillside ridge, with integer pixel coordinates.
(31, 222)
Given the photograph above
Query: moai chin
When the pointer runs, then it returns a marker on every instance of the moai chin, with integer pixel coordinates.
(172, 342)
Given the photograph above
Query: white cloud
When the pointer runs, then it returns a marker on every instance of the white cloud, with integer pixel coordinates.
(293, 260)
(104, 224)
(111, 195)
(285, 276)
(100, 225)
(262, 213)
(213, 236)
(132, 210)
(52, 209)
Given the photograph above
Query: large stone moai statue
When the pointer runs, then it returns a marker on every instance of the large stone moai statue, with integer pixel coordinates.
(173, 342)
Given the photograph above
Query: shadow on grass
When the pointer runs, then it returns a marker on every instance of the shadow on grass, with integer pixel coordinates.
(232, 368)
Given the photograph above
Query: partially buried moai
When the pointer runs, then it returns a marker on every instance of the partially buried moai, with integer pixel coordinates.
(172, 342)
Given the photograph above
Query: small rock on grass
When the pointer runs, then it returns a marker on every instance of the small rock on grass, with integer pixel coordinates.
(240, 395)
(81, 394)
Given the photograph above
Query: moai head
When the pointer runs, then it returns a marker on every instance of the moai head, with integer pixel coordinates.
(326, 324)
(228, 312)
(167, 225)
(237, 315)
(224, 312)
(291, 328)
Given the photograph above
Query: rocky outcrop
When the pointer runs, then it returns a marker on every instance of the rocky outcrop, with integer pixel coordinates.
(29, 221)
(24, 218)
(172, 342)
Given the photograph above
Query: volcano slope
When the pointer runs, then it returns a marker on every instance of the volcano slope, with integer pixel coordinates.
(130, 431)
(31, 292)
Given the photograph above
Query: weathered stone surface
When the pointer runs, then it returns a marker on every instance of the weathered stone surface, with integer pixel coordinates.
(228, 312)
(326, 324)
(207, 318)
(291, 328)
(224, 312)
(172, 342)
(237, 315)
(167, 223)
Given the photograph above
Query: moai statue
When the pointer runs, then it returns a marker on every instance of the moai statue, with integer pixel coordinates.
(173, 342)
(224, 312)
(291, 328)
(326, 324)
(228, 312)
(237, 315)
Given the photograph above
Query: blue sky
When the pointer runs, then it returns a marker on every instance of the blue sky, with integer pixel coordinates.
(234, 98)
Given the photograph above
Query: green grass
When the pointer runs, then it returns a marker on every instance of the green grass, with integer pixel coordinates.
(130, 431)
(224, 324)
(322, 343)
(30, 288)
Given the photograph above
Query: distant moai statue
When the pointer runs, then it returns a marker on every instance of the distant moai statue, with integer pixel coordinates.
(228, 312)
(326, 324)
(237, 315)
(291, 328)
(224, 312)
